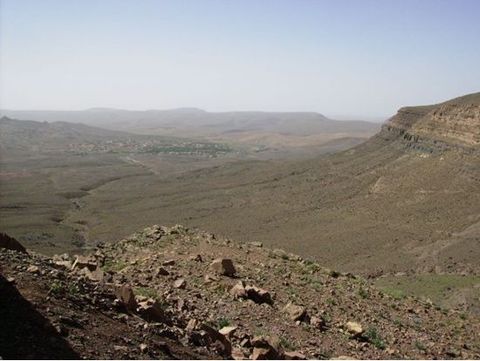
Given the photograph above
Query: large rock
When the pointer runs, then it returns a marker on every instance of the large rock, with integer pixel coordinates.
(223, 266)
(258, 295)
(295, 312)
(265, 349)
(354, 328)
(151, 311)
(11, 243)
(126, 296)
(215, 340)
(238, 291)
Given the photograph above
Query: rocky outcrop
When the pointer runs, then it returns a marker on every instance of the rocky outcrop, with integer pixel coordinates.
(453, 124)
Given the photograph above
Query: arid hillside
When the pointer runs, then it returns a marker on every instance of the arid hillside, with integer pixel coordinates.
(171, 292)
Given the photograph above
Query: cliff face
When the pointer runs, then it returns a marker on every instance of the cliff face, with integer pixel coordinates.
(455, 123)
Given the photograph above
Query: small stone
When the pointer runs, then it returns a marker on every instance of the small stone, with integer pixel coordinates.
(33, 269)
(161, 272)
(245, 342)
(85, 262)
(180, 283)
(318, 322)
(210, 278)
(228, 331)
(191, 325)
(196, 258)
(119, 348)
(143, 348)
(95, 275)
(239, 354)
(169, 262)
(294, 355)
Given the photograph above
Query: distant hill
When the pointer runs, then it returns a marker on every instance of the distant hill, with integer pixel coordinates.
(27, 134)
(301, 123)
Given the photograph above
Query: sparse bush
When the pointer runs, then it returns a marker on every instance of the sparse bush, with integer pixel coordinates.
(374, 338)
(223, 322)
(286, 343)
(362, 292)
(420, 346)
(56, 287)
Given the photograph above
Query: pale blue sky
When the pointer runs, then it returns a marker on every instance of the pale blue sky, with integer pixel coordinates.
(351, 58)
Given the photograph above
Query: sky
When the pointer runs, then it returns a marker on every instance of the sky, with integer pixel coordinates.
(353, 59)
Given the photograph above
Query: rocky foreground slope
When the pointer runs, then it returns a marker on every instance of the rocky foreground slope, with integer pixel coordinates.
(177, 293)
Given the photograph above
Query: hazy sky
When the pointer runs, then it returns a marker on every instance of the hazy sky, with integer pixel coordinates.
(359, 58)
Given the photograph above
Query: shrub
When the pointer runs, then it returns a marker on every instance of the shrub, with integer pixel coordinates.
(374, 338)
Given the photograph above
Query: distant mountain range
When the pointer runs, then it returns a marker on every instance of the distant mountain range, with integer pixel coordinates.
(199, 121)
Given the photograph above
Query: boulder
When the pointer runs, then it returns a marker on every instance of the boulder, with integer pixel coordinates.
(11, 243)
(223, 266)
(295, 312)
(258, 295)
(354, 328)
(151, 311)
(238, 291)
(265, 349)
(217, 341)
(126, 296)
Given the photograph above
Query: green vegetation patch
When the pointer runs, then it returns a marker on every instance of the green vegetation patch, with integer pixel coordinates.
(435, 287)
